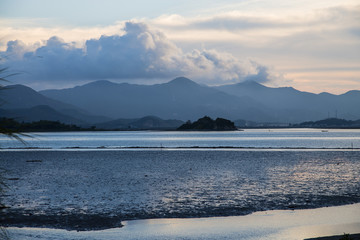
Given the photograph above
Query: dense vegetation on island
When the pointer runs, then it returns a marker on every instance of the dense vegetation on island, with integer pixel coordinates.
(38, 126)
(206, 123)
(330, 123)
(153, 123)
(145, 123)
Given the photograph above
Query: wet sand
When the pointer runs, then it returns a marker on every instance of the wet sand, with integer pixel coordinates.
(269, 225)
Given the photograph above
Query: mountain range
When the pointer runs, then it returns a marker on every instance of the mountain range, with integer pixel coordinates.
(293, 105)
(148, 122)
(25, 104)
(180, 99)
(115, 105)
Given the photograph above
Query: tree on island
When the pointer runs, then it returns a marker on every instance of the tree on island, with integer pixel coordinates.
(206, 123)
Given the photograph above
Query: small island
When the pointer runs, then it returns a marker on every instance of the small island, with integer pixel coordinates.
(208, 124)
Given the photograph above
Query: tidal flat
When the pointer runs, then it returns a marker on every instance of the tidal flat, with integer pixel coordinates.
(93, 190)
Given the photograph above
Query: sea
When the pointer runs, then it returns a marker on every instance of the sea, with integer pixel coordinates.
(96, 180)
(248, 138)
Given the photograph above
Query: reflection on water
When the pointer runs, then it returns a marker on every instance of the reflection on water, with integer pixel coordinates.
(151, 184)
(258, 138)
(158, 183)
(269, 225)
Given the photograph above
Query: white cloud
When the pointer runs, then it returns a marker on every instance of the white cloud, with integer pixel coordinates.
(318, 35)
(252, 29)
(141, 52)
(316, 38)
(32, 32)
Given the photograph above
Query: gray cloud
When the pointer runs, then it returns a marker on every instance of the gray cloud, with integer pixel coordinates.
(139, 53)
(261, 76)
(332, 17)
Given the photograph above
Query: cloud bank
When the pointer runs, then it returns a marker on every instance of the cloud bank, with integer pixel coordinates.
(139, 53)
(316, 50)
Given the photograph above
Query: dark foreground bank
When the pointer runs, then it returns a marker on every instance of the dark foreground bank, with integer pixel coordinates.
(338, 237)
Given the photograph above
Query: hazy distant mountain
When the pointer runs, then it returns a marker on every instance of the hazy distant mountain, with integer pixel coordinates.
(20, 96)
(85, 117)
(331, 123)
(152, 122)
(148, 122)
(37, 113)
(28, 105)
(180, 98)
(123, 123)
(268, 96)
(292, 105)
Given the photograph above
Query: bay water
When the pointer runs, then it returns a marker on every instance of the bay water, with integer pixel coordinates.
(249, 138)
(90, 180)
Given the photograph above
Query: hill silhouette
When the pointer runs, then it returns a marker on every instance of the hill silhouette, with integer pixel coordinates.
(104, 101)
(208, 124)
(25, 104)
(330, 123)
(180, 99)
(291, 105)
(148, 122)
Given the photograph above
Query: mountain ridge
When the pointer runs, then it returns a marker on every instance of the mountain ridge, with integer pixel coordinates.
(290, 101)
(38, 113)
(22, 102)
(147, 122)
(184, 99)
(180, 98)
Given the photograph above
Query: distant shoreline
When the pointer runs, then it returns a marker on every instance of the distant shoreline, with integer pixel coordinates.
(143, 148)
(201, 125)
(174, 129)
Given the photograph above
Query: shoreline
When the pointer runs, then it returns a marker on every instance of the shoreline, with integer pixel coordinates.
(239, 129)
(274, 224)
(191, 148)
(83, 222)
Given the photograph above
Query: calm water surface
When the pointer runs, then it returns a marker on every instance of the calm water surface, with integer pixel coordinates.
(116, 185)
(257, 138)
(95, 185)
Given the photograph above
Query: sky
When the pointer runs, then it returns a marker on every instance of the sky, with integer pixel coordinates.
(310, 45)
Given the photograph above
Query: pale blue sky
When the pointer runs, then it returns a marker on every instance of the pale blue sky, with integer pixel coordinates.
(93, 12)
(310, 45)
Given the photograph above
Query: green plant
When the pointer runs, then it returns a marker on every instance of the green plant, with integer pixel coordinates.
(11, 134)
(346, 237)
